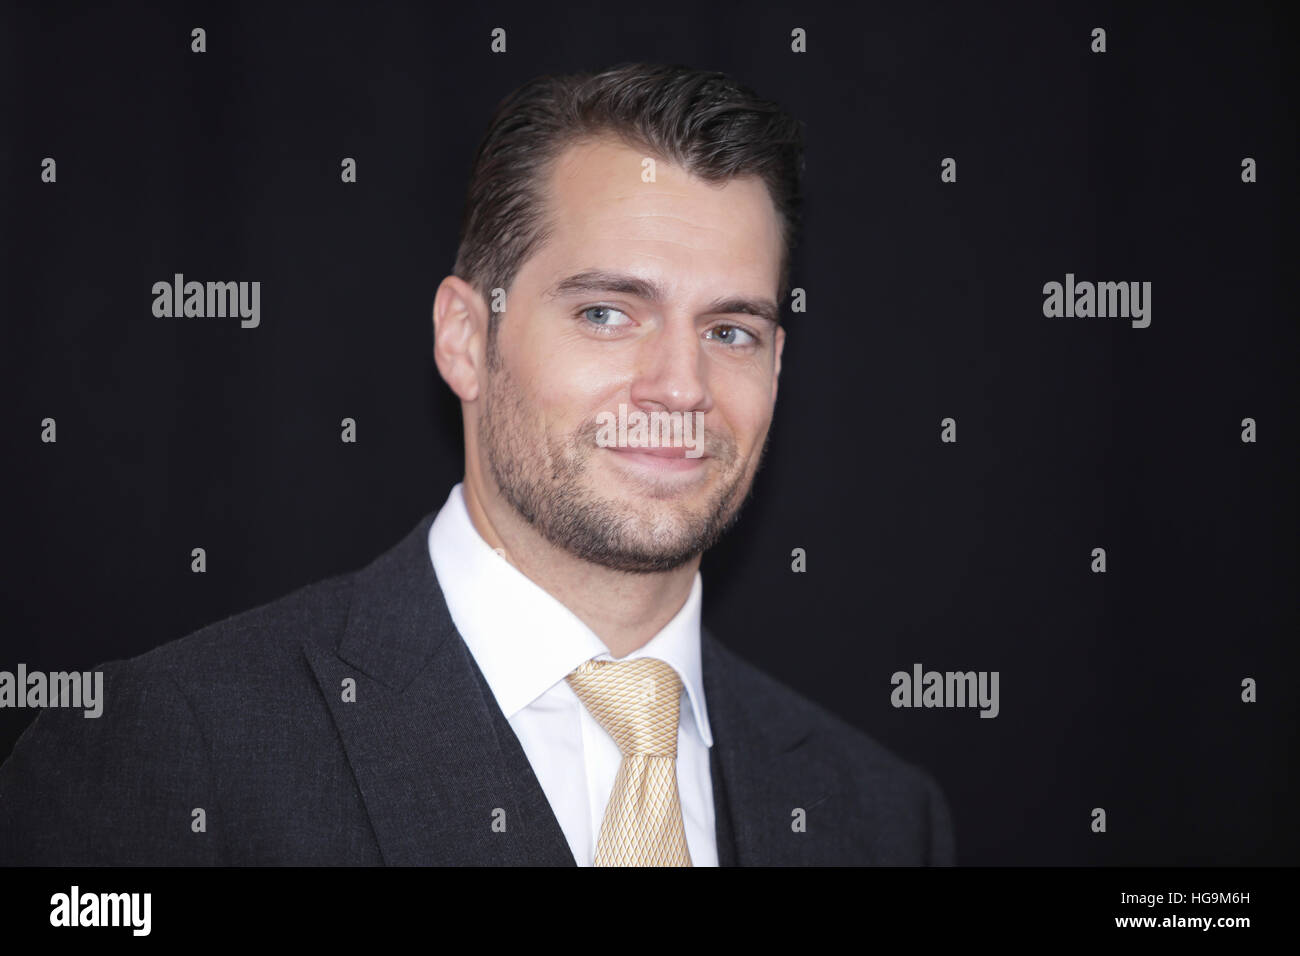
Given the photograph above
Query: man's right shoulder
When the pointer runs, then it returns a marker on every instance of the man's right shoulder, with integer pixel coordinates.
(124, 786)
(263, 641)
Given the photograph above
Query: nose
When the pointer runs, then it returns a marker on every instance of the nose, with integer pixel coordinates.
(672, 370)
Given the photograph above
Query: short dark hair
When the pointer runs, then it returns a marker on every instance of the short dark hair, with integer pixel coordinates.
(703, 121)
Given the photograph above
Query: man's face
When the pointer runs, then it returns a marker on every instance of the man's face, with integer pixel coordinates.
(570, 348)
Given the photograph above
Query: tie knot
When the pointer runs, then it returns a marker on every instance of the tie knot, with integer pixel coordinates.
(635, 701)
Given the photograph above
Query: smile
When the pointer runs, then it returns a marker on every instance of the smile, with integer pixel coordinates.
(660, 459)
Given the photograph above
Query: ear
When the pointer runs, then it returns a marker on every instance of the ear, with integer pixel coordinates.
(459, 330)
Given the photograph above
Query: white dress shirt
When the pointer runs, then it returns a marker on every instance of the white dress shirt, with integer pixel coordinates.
(526, 642)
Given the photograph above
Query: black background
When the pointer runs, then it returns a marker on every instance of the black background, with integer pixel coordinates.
(1118, 690)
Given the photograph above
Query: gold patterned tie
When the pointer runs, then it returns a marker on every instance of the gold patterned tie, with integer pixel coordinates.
(636, 702)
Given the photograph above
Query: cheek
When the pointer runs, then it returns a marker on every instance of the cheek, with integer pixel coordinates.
(574, 387)
(746, 407)
(560, 401)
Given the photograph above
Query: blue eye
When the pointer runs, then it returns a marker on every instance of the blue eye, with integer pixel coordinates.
(731, 331)
(604, 321)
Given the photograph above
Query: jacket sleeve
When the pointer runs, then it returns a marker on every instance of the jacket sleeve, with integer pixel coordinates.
(120, 789)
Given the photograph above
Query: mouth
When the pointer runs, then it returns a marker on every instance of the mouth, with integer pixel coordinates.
(660, 459)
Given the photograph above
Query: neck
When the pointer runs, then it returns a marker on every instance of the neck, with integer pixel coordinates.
(624, 610)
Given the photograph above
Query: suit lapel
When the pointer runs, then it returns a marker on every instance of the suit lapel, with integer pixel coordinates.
(762, 771)
(443, 777)
(436, 762)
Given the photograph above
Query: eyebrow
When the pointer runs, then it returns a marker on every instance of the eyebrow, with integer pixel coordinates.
(597, 280)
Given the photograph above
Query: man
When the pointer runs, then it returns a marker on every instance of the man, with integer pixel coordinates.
(524, 679)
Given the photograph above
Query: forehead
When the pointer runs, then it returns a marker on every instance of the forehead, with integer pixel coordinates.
(678, 229)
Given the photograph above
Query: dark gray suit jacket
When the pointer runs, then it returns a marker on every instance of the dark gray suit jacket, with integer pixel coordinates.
(245, 721)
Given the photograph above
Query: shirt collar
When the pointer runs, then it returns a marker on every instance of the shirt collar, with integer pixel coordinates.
(522, 638)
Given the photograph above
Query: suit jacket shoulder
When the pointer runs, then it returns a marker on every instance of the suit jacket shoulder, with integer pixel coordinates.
(203, 727)
(861, 803)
